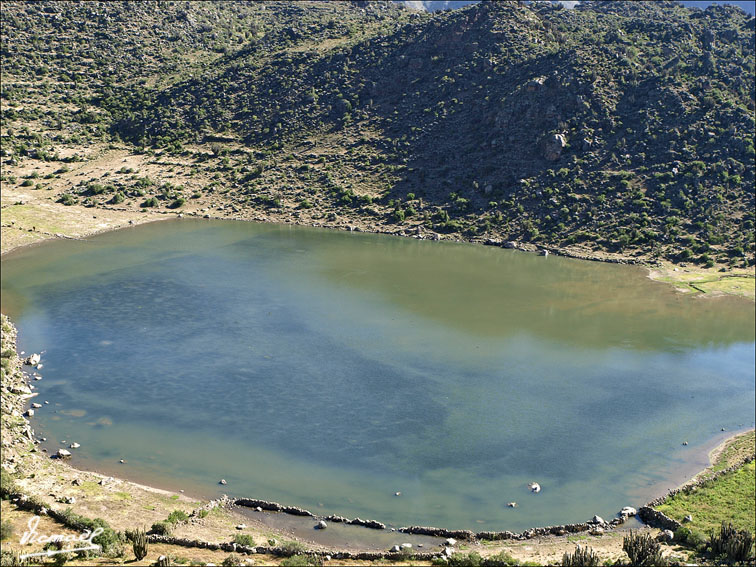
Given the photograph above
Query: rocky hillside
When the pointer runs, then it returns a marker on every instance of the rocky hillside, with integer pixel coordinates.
(619, 127)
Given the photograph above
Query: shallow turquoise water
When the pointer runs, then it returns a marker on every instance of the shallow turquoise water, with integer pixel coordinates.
(330, 370)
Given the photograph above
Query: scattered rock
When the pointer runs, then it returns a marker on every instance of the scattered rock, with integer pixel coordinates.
(666, 535)
(512, 504)
(29, 413)
(222, 481)
(321, 525)
(397, 493)
(534, 487)
(597, 520)
(450, 542)
(628, 511)
(395, 549)
(241, 527)
(76, 482)
(122, 461)
(33, 360)
(406, 546)
(35, 405)
(74, 446)
(684, 443)
(687, 519)
(62, 453)
(598, 530)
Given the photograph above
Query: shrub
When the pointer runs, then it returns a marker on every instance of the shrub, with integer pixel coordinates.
(177, 203)
(67, 199)
(731, 544)
(151, 202)
(7, 484)
(117, 198)
(11, 559)
(232, 560)
(290, 548)
(581, 556)
(643, 550)
(6, 530)
(162, 528)
(499, 560)
(27, 183)
(177, 516)
(465, 560)
(244, 539)
(139, 544)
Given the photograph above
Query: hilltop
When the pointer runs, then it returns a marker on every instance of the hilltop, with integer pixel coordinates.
(621, 129)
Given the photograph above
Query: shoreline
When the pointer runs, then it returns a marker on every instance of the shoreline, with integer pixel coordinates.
(681, 279)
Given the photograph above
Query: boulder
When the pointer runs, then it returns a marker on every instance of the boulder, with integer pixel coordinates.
(512, 504)
(63, 453)
(241, 526)
(35, 405)
(450, 542)
(395, 549)
(74, 446)
(666, 535)
(553, 146)
(534, 487)
(687, 519)
(33, 360)
(321, 525)
(597, 531)
(628, 511)
(222, 481)
(597, 520)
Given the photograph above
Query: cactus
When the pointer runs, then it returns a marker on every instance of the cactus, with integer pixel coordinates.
(163, 561)
(733, 544)
(139, 544)
(643, 550)
(583, 556)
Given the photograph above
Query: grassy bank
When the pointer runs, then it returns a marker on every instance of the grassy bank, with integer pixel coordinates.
(726, 498)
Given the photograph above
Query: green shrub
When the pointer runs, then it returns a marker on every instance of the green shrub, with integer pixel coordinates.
(7, 484)
(232, 560)
(151, 202)
(162, 528)
(244, 539)
(177, 203)
(731, 544)
(177, 516)
(6, 530)
(465, 560)
(290, 548)
(27, 183)
(582, 556)
(117, 198)
(67, 199)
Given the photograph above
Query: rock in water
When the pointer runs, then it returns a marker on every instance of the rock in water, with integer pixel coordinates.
(534, 487)
(63, 453)
(321, 525)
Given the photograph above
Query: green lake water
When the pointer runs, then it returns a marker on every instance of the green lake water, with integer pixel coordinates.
(330, 370)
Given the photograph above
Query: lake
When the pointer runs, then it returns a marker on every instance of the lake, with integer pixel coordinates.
(331, 370)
